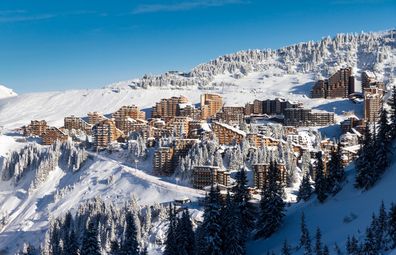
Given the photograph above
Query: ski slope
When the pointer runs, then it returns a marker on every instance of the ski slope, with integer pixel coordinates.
(54, 106)
(347, 213)
(28, 213)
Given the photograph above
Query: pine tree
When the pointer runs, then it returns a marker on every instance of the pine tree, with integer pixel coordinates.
(370, 245)
(130, 245)
(325, 250)
(305, 240)
(271, 205)
(72, 247)
(382, 145)
(320, 179)
(352, 246)
(144, 251)
(318, 243)
(392, 225)
(90, 244)
(184, 235)
(115, 248)
(233, 241)
(209, 234)
(286, 250)
(335, 170)
(380, 228)
(392, 104)
(365, 167)
(305, 189)
(241, 199)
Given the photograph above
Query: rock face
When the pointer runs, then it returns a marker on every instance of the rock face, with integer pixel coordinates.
(6, 92)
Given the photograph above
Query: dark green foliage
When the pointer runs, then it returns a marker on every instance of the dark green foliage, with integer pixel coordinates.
(90, 244)
(271, 205)
(321, 186)
(365, 169)
(130, 245)
(318, 242)
(335, 170)
(286, 249)
(209, 234)
(241, 199)
(233, 240)
(392, 226)
(305, 189)
(184, 234)
(305, 240)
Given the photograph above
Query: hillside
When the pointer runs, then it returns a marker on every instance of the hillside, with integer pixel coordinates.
(6, 92)
(347, 213)
(289, 72)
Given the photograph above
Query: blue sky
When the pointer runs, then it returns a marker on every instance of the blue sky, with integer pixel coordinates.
(56, 45)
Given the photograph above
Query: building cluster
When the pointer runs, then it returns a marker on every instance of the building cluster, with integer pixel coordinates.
(188, 124)
(341, 84)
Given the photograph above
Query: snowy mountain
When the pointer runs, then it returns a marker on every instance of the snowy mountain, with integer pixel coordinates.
(6, 92)
(27, 207)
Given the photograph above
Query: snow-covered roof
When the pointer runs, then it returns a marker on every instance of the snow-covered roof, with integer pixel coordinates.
(243, 133)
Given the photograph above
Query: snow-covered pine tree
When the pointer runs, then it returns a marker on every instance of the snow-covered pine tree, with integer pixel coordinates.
(365, 162)
(241, 199)
(370, 245)
(73, 245)
(382, 144)
(233, 239)
(130, 245)
(209, 238)
(392, 225)
(352, 246)
(184, 235)
(335, 170)
(305, 240)
(318, 242)
(286, 249)
(320, 179)
(170, 243)
(90, 244)
(305, 189)
(392, 104)
(271, 204)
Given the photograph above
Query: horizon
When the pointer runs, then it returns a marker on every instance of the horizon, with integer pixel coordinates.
(71, 45)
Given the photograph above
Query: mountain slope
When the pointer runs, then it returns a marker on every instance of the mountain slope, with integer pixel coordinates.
(6, 92)
(347, 213)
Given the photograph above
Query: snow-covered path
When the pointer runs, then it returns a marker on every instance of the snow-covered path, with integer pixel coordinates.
(152, 179)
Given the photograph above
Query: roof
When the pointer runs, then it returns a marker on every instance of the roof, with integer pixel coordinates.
(243, 133)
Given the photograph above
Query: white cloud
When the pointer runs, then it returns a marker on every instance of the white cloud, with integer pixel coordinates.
(183, 6)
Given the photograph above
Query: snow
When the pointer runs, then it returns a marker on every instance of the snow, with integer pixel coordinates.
(347, 213)
(6, 92)
(239, 78)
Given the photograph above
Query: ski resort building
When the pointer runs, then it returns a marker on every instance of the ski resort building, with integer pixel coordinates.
(340, 84)
(35, 128)
(76, 123)
(204, 176)
(275, 106)
(227, 134)
(53, 134)
(300, 117)
(232, 115)
(168, 107)
(104, 133)
(126, 115)
(260, 174)
(373, 100)
(210, 105)
(163, 161)
(95, 117)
